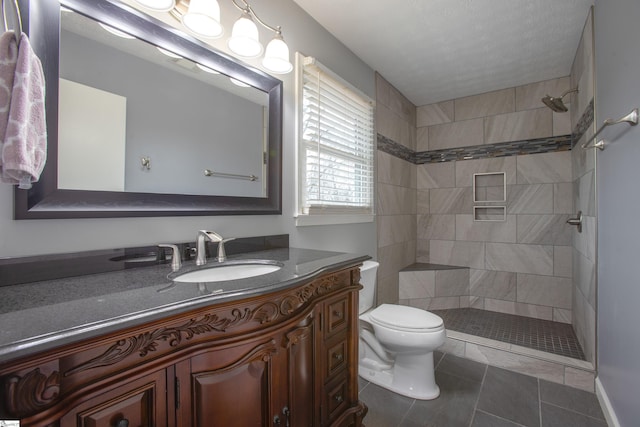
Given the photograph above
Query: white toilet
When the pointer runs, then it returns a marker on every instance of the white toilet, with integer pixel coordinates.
(397, 343)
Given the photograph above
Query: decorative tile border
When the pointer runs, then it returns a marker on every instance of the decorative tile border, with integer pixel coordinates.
(504, 149)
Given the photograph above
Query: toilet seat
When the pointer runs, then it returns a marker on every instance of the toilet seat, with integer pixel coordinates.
(404, 318)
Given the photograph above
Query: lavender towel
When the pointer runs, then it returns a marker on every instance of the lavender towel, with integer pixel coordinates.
(8, 59)
(24, 143)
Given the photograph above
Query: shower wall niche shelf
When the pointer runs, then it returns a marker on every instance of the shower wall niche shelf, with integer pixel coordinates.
(490, 213)
(489, 187)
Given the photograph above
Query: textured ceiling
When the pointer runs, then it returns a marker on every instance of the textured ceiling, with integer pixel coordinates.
(435, 50)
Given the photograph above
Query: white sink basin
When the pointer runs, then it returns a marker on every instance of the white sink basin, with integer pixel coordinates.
(226, 272)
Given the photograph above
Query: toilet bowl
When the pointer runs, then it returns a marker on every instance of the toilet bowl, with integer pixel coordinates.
(397, 343)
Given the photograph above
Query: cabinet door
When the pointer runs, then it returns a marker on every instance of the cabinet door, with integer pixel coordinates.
(139, 403)
(300, 408)
(228, 387)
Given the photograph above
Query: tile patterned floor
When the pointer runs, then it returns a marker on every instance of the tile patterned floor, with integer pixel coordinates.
(551, 337)
(473, 394)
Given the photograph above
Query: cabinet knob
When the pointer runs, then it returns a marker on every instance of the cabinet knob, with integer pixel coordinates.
(276, 420)
(337, 313)
(338, 356)
(338, 398)
(123, 423)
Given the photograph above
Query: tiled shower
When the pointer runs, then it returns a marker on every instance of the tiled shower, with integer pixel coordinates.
(532, 263)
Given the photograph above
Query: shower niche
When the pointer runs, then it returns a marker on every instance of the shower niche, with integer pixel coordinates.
(489, 196)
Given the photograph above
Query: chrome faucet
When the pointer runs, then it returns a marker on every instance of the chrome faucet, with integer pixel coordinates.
(201, 250)
(201, 253)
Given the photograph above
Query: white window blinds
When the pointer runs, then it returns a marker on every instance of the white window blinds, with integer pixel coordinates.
(336, 143)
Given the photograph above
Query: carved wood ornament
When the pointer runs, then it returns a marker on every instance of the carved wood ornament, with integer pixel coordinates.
(148, 342)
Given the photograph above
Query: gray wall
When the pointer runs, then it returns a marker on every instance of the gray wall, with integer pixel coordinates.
(302, 33)
(618, 90)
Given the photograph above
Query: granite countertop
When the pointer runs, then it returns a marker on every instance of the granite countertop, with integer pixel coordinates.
(43, 315)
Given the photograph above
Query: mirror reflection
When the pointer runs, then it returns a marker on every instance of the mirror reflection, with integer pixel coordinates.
(135, 119)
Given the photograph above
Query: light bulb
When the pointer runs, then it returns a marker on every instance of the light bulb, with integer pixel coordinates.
(157, 5)
(238, 82)
(203, 18)
(168, 53)
(276, 56)
(244, 37)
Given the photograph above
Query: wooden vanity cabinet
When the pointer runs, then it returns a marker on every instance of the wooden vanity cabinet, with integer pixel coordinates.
(288, 358)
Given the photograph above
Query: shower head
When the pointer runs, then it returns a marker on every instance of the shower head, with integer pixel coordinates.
(555, 103)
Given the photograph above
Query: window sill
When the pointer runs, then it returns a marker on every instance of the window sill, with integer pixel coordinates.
(310, 220)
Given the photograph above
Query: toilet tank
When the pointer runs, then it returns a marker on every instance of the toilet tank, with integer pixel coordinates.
(367, 296)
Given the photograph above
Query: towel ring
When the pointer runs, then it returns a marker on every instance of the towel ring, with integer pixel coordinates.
(18, 19)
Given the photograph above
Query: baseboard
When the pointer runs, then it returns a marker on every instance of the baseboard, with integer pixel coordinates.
(605, 403)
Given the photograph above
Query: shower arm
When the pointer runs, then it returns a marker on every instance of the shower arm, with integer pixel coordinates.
(631, 118)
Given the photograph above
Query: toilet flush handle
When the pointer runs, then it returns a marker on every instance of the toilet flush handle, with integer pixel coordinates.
(577, 221)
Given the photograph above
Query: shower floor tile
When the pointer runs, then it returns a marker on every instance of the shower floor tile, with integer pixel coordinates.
(544, 335)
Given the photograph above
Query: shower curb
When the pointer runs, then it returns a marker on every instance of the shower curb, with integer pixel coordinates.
(551, 367)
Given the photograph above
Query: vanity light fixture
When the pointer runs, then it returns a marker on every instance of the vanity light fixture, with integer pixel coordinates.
(202, 18)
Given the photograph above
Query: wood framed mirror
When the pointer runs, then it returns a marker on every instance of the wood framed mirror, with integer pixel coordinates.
(166, 185)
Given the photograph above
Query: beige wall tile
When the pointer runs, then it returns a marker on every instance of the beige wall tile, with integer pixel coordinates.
(562, 315)
(395, 200)
(434, 114)
(486, 104)
(394, 229)
(530, 199)
(499, 285)
(544, 229)
(530, 96)
(383, 91)
(563, 261)
(395, 171)
(518, 126)
(453, 282)
(458, 134)
(462, 254)
(563, 198)
(422, 250)
(422, 139)
(544, 168)
(544, 290)
(478, 231)
(436, 175)
(388, 123)
(450, 200)
(517, 258)
(562, 123)
(439, 227)
(422, 204)
(417, 284)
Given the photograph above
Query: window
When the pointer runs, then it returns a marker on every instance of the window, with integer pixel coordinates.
(335, 123)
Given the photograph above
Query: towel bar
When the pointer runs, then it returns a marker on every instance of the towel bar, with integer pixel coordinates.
(18, 19)
(631, 118)
(208, 172)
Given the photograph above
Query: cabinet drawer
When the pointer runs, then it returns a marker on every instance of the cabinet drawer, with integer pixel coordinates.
(336, 315)
(336, 398)
(337, 355)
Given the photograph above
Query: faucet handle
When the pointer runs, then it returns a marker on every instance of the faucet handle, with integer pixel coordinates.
(222, 256)
(176, 261)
